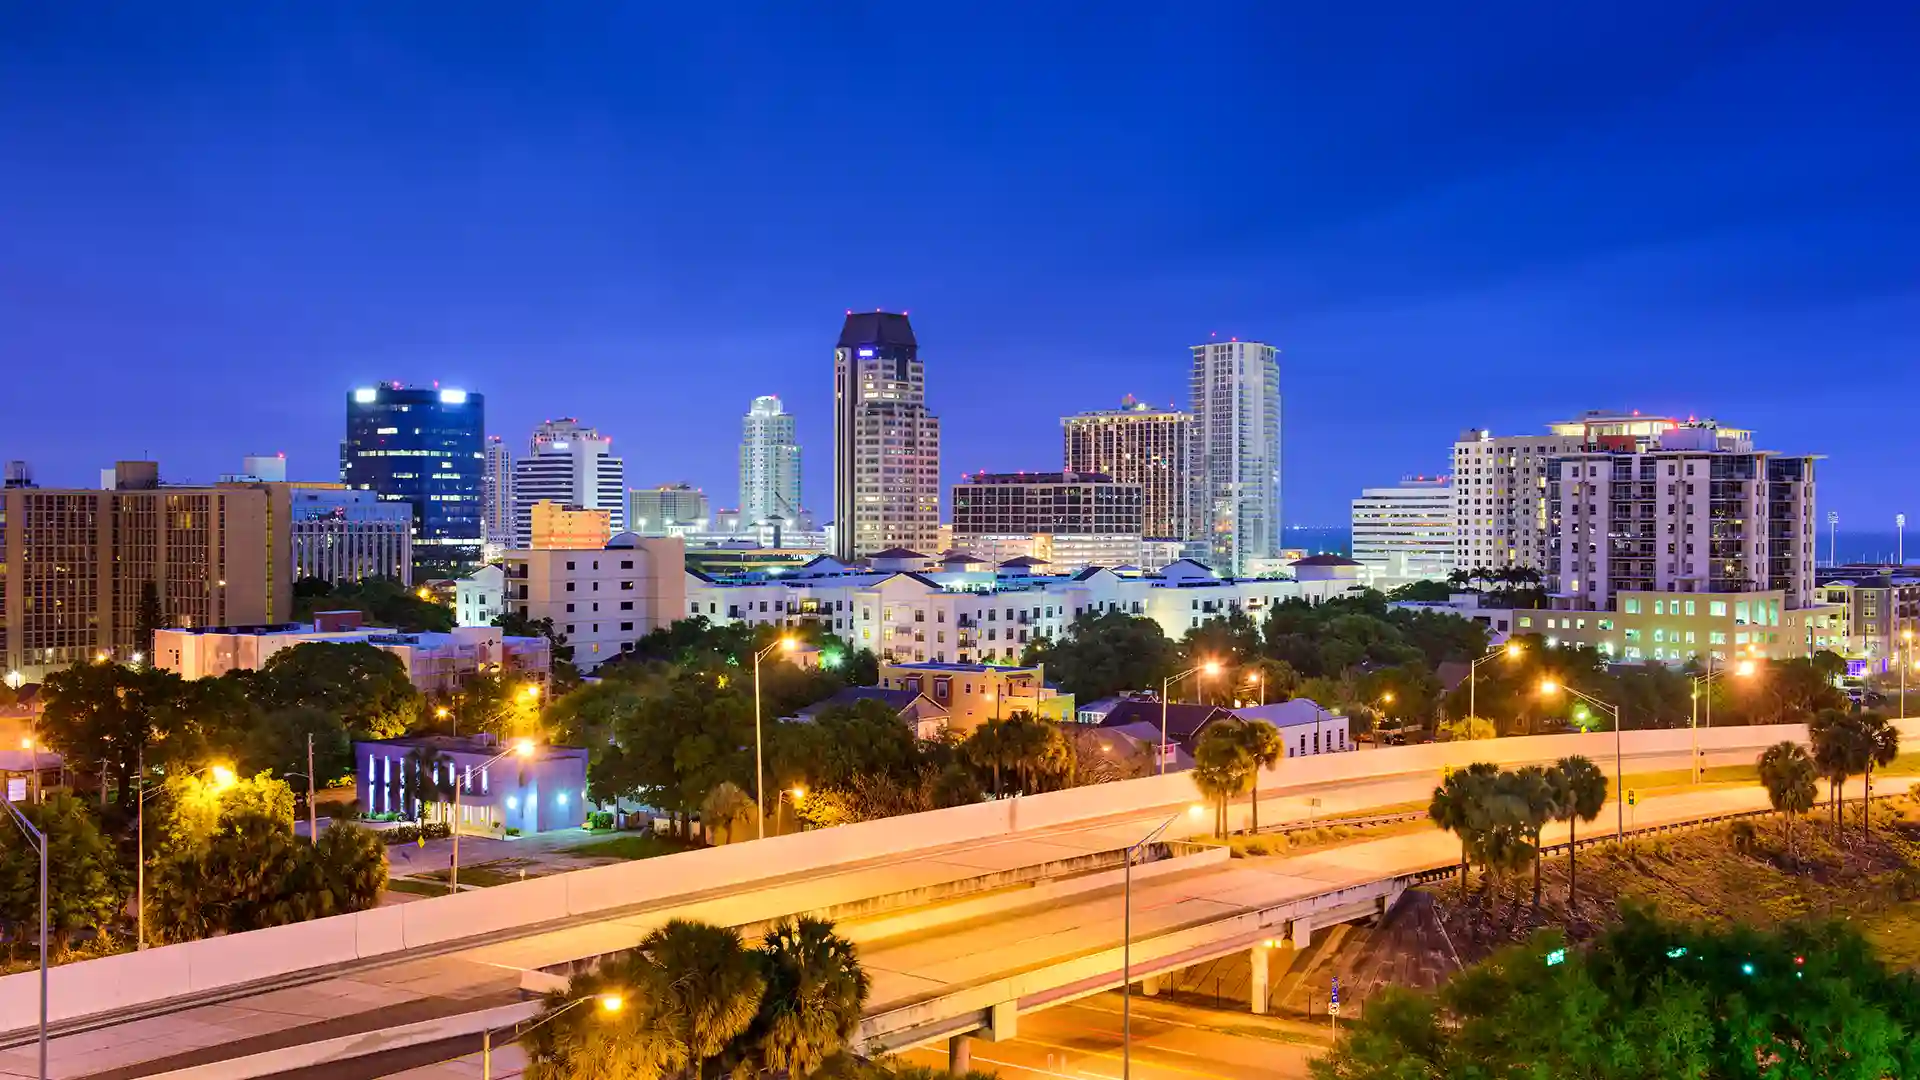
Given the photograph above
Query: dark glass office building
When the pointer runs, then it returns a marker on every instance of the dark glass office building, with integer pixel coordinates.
(423, 446)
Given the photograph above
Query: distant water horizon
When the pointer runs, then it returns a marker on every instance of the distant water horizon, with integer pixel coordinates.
(1857, 546)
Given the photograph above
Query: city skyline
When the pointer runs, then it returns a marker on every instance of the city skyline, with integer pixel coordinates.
(1588, 234)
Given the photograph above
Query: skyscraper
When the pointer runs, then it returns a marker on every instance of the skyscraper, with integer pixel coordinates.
(886, 445)
(1234, 452)
(422, 446)
(667, 510)
(769, 464)
(1405, 533)
(496, 494)
(573, 465)
(1137, 444)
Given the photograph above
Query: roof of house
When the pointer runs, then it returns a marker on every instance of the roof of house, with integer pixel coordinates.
(1324, 560)
(900, 701)
(1147, 733)
(1294, 713)
(898, 553)
(1183, 721)
(1024, 561)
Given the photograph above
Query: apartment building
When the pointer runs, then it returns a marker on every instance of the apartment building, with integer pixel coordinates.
(1406, 532)
(1880, 607)
(886, 445)
(74, 563)
(437, 663)
(1137, 444)
(342, 535)
(1234, 452)
(603, 599)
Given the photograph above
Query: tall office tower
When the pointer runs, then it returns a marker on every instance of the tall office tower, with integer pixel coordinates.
(75, 562)
(669, 510)
(886, 445)
(573, 465)
(1137, 444)
(1692, 509)
(769, 464)
(496, 494)
(1405, 533)
(341, 535)
(1234, 452)
(1500, 485)
(422, 446)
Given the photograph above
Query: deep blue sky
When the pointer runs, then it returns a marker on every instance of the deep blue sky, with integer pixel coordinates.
(215, 219)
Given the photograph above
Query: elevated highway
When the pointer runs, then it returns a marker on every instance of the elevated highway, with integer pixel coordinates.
(1038, 871)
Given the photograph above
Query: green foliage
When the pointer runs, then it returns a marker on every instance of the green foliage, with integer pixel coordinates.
(107, 712)
(1465, 729)
(383, 602)
(147, 618)
(278, 743)
(365, 687)
(1650, 1001)
(696, 1002)
(408, 833)
(1035, 753)
(1230, 640)
(253, 873)
(1224, 765)
(1106, 653)
(86, 887)
(191, 808)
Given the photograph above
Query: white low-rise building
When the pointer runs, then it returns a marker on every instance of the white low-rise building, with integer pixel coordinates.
(967, 613)
(479, 598)
(438, 663)
(604, 600)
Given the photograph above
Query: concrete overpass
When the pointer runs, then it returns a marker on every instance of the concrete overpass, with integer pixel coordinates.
(909, 880)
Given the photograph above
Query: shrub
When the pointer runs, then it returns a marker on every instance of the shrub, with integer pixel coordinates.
(1256, 847)
(1745, 837)
(600, 819)
(435, 830)
(513, 830)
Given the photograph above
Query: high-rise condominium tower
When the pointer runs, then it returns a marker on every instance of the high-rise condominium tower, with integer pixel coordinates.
(422, 446)
(1137, 444)
(769, 464)
(1234, 452)
(496, 494)
(886, 445)
(573, 465)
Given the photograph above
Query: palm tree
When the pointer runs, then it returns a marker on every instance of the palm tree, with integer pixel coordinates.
(1539, 802)
(700, 986)
(589, 1043)
(1221, 767)
(1788, 773)
(1454, 804)
(1833, 735)
(1879, 744)
(815, 992)
(1264, 747)
(1582, 792)
(433, 778)
(991, 746)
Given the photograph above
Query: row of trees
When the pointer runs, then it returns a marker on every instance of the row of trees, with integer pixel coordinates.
(1650, 1000)
(1227, 762)
(224, 858)
(1845, 745)
(1498, 814)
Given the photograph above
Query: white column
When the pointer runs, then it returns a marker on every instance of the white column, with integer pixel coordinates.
(959, 1054)
(1258, 991)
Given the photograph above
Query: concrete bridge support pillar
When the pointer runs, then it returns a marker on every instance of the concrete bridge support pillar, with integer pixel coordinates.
(1258, 983)
(959, 1054)
(1300, 934)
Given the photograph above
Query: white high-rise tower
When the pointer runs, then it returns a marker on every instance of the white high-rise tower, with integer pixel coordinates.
(1235, 452)
(769, 464)
(573, 465)
(496, 495)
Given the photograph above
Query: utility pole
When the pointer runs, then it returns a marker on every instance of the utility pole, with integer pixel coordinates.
(313, 833)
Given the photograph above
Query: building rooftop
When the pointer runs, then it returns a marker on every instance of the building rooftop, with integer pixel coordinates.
(1183, 721)
(972, 669)
(481, 745)
(1037, 478)
(876, 328)
(1285, 714)
(1324, 560)
(897, 553)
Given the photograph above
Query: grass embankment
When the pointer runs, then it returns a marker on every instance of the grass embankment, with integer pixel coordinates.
(633, 845)
(1751, 871)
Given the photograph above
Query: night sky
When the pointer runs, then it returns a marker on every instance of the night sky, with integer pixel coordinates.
(217, 219)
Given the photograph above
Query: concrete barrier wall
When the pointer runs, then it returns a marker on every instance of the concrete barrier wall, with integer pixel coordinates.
(117, 982)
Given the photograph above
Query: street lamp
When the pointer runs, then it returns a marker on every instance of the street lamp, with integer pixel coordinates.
(1547, 689)
(223, 778)
(39, 841)
(1260, 679)
(785, 644)
(1196, 811)
(1211, 667)
(32, 746)
(609, 1003)
(523, 747)
(1703, 687)
(1511, 652)
(15, 680)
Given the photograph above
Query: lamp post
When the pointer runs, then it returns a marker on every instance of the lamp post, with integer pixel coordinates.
(1548, 687)
(1703, 687)
(522, 747)
(1210, 667)
(1511, 652)
(784, 644)
(39, 841)
(1126, 942)
(32, 746)
(223, 778)
(609, 1003)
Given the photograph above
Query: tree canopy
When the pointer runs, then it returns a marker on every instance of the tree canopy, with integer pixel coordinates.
(382, 602)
